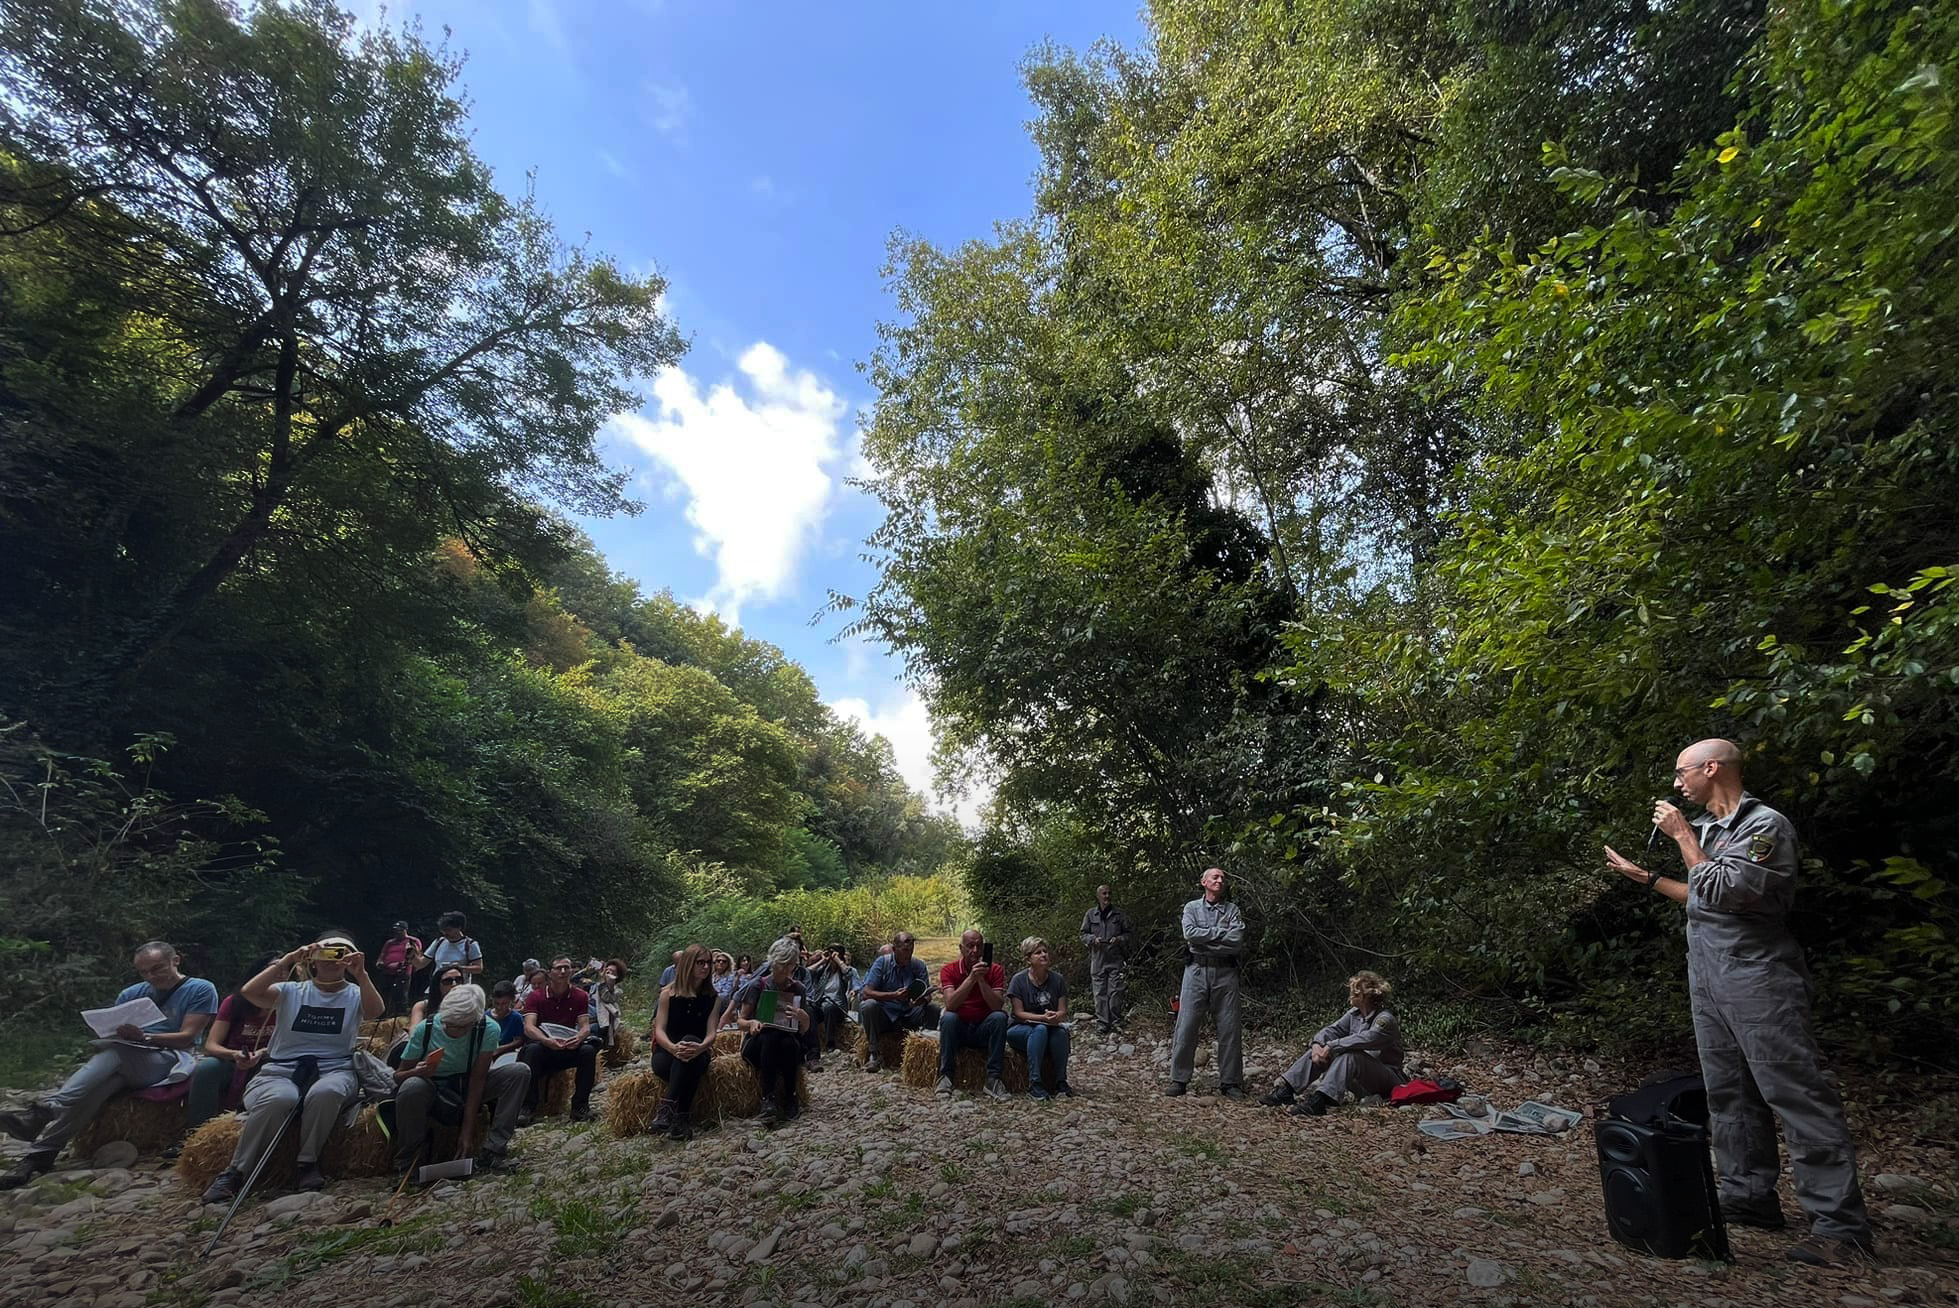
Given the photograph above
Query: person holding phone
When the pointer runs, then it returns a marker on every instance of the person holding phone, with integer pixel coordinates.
(448, 1071)
(895, 996)
(833, 987)
(235, 1046)
(975, 1012)
(688, 1009)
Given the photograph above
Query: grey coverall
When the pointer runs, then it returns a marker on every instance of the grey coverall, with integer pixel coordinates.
(1750, 992)
(1106, 934)
(1215, 933)
(1364, 1057)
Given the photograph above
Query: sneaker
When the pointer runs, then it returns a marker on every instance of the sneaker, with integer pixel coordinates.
(1233, 1092)
(223, 1188)
(662, 1117)
(1278, 1096)
(1762, 1219)
(683, 1126)
(945, 1085)
(580, 1113)
(996, 1088)
(309, 1177)
(1174, 1089)
(875, 1064)
(499, 1160)
(1036, 1092)
(814, 1065)
(769, 1111)
(526, 1117)
(25, 1123)
(1313, 1105)
(1065, 1090)
(26, 1170)
(1824, 1251)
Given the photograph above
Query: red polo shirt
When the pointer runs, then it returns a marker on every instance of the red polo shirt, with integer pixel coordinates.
(953, 974)
(565, 1011)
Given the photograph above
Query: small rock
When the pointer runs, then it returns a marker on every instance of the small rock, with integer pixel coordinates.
(1856, 1301)
(1465, 1213)
(922, 1244)
(1548, 1198)
(1527, 1169)
(1893, 1182)
(1126, 1050)
(1486, 1275)
(1910, 1214)
(765, 1248)
(1591, 1065)
(117, 1153)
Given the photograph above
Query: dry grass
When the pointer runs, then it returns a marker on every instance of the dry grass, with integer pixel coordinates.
(920, 1067)
(145, 1123)
(363, 1150)
(891, 1047)
(731, 1089)
(620, 1052)
(727, 1042)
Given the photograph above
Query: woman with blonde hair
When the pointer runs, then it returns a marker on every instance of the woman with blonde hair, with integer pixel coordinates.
(1360, 1052)
(689, 1009)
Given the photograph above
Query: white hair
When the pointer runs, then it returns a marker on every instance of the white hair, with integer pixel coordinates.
(784, 953)
(462, 1006)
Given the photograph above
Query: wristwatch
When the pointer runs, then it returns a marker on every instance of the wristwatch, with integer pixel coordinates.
(1652, 879)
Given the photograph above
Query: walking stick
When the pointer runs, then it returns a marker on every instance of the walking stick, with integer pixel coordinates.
(304, 1073)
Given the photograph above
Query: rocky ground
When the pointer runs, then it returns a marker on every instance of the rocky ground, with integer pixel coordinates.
(889, 1196)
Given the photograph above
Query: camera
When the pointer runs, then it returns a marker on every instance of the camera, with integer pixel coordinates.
(330, 953)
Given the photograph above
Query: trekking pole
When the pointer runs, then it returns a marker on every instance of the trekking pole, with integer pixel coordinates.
(304, 1073)
(414, 1165)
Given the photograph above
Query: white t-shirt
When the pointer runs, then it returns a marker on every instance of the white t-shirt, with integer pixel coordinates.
(323, 1023)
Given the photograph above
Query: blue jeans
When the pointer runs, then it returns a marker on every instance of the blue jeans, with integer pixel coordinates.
(1040, 1043)
(989, 1033)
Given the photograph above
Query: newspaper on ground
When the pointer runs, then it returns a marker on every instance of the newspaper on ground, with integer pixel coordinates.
(105, 1022)
(1534, 1118)
(1473, 1115)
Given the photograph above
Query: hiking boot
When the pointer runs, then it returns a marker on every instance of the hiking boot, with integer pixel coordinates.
(1065, 1090)
(996, 1088)
(309, 1177)
(223, 1188)
(875, 1063)
(1036, 1092)
(26, 1123)
(683, 1126)
(26, 1170)
(1825, 1251)
(1278, 1096)
(1174, 1089)
(526, 1117)
(769, 1112)
(1313, 1105)
(1233, 1092)
(1762, 1219)
(580, 1113)
(945, 1086)
(663, 1117)
(499, 1160)
(792, 1108)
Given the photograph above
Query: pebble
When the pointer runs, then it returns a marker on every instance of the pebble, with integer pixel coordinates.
(1910, 1214)
(114, 1155)
(1892, 1182)
(1527, 1169)
(765, 1247)
(1548, 1198)
(1486, 1275)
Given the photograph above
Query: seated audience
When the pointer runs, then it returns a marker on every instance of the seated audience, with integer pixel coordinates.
(833, 992)
(394, 968)
(774, 1049)
(446, 979)
(724, 977)
(683, 1019)
(528, 979)
(1361, 1052)
(510, 1022)
(1038, 998)
(447, 1073)
(607, 994)
(319, 1023)
(975, 1014)
(136, 1059)
(744, 971)
(234, 1049)
(563, 1004)
(896, 996)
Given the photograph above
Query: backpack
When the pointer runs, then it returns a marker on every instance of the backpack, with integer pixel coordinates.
(1441, 1090)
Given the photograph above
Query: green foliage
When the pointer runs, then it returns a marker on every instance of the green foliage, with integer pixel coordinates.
(717, 914)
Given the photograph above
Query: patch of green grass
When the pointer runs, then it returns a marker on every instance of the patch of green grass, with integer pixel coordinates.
(1123, 1205)
(1066, 1247)
(913, 1207)
(951, 1173)
(416, 1234)
(882, 1188)
(1195, 1146)
(534, 1292)
(584, 1229)
(797, 1203)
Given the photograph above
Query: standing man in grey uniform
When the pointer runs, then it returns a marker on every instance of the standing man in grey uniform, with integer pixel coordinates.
(1750, 992)
(1105, 930)
(1214, 932)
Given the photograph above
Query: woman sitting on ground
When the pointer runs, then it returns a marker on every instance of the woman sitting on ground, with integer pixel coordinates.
(1037, 998)
(1360, 1052)
(608, 992)
(319, 1023)
(775, 1048)
(448, 1072)
(687, 1012)
(234, 1049)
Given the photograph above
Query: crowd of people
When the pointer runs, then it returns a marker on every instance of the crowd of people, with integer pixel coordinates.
(283, 1047)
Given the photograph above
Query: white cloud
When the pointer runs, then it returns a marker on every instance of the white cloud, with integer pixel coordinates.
(668, 106)
(757, 456)
(908, 726)
(617, 169)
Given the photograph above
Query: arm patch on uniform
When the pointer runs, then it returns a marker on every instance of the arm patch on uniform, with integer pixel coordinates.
(1760, 847)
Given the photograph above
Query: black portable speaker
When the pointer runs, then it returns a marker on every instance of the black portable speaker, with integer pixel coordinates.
(1658, 1173)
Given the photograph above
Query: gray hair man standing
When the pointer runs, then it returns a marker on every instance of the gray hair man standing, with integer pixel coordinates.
(1105, 930)
(1214, 932)
(1749, 988)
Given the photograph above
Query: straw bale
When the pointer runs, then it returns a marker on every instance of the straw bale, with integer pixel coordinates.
(362, 1150)
(921, 1067)
(386, 1030)
(730, 1090)
(145, 1123)
(891, 1047)
(631, 1100)
(555, 1100)
(620, 1052)
(727, 1043)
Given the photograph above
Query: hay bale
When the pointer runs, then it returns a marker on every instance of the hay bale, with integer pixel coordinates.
(363, 1149)
(730, 1090)
(145, 1123)
(891, 1047)
(385, 1030)
(920, 1067)
(620, 1052)
(555, 1099)
(631, 1101)
(727, 1043)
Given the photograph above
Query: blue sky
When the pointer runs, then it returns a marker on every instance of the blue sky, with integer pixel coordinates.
(760, 156)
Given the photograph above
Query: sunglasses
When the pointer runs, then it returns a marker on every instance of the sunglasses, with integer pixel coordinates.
(450, 981)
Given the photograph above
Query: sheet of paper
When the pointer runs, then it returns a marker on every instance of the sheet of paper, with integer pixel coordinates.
(557, 1030)
(137, 1012)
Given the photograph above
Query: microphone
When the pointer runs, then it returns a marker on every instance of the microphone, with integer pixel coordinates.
(1653, 836)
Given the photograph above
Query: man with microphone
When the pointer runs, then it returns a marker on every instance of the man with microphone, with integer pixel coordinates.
(1750, 993)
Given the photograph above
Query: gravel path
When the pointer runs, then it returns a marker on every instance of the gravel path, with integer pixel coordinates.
(888, 1196)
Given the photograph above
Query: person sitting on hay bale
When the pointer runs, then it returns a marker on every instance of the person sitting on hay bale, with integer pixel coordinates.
(510, 1022)
(1361, 1051)
(319, 1021)
(463, 1038)
(774, 1020)
(833, 991)
(975, 1013)
(135, 1059)
(565, 1006)
(725, 980)
(234, 1049)
(685, 1014)
(896, 996)
(445, 980)
(1038, 997)
(529, 979)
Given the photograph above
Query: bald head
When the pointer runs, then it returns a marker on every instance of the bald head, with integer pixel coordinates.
(1712, 750)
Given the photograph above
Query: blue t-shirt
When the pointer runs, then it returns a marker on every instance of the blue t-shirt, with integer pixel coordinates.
(511, 1025)
(192, 995)
(885, 974)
